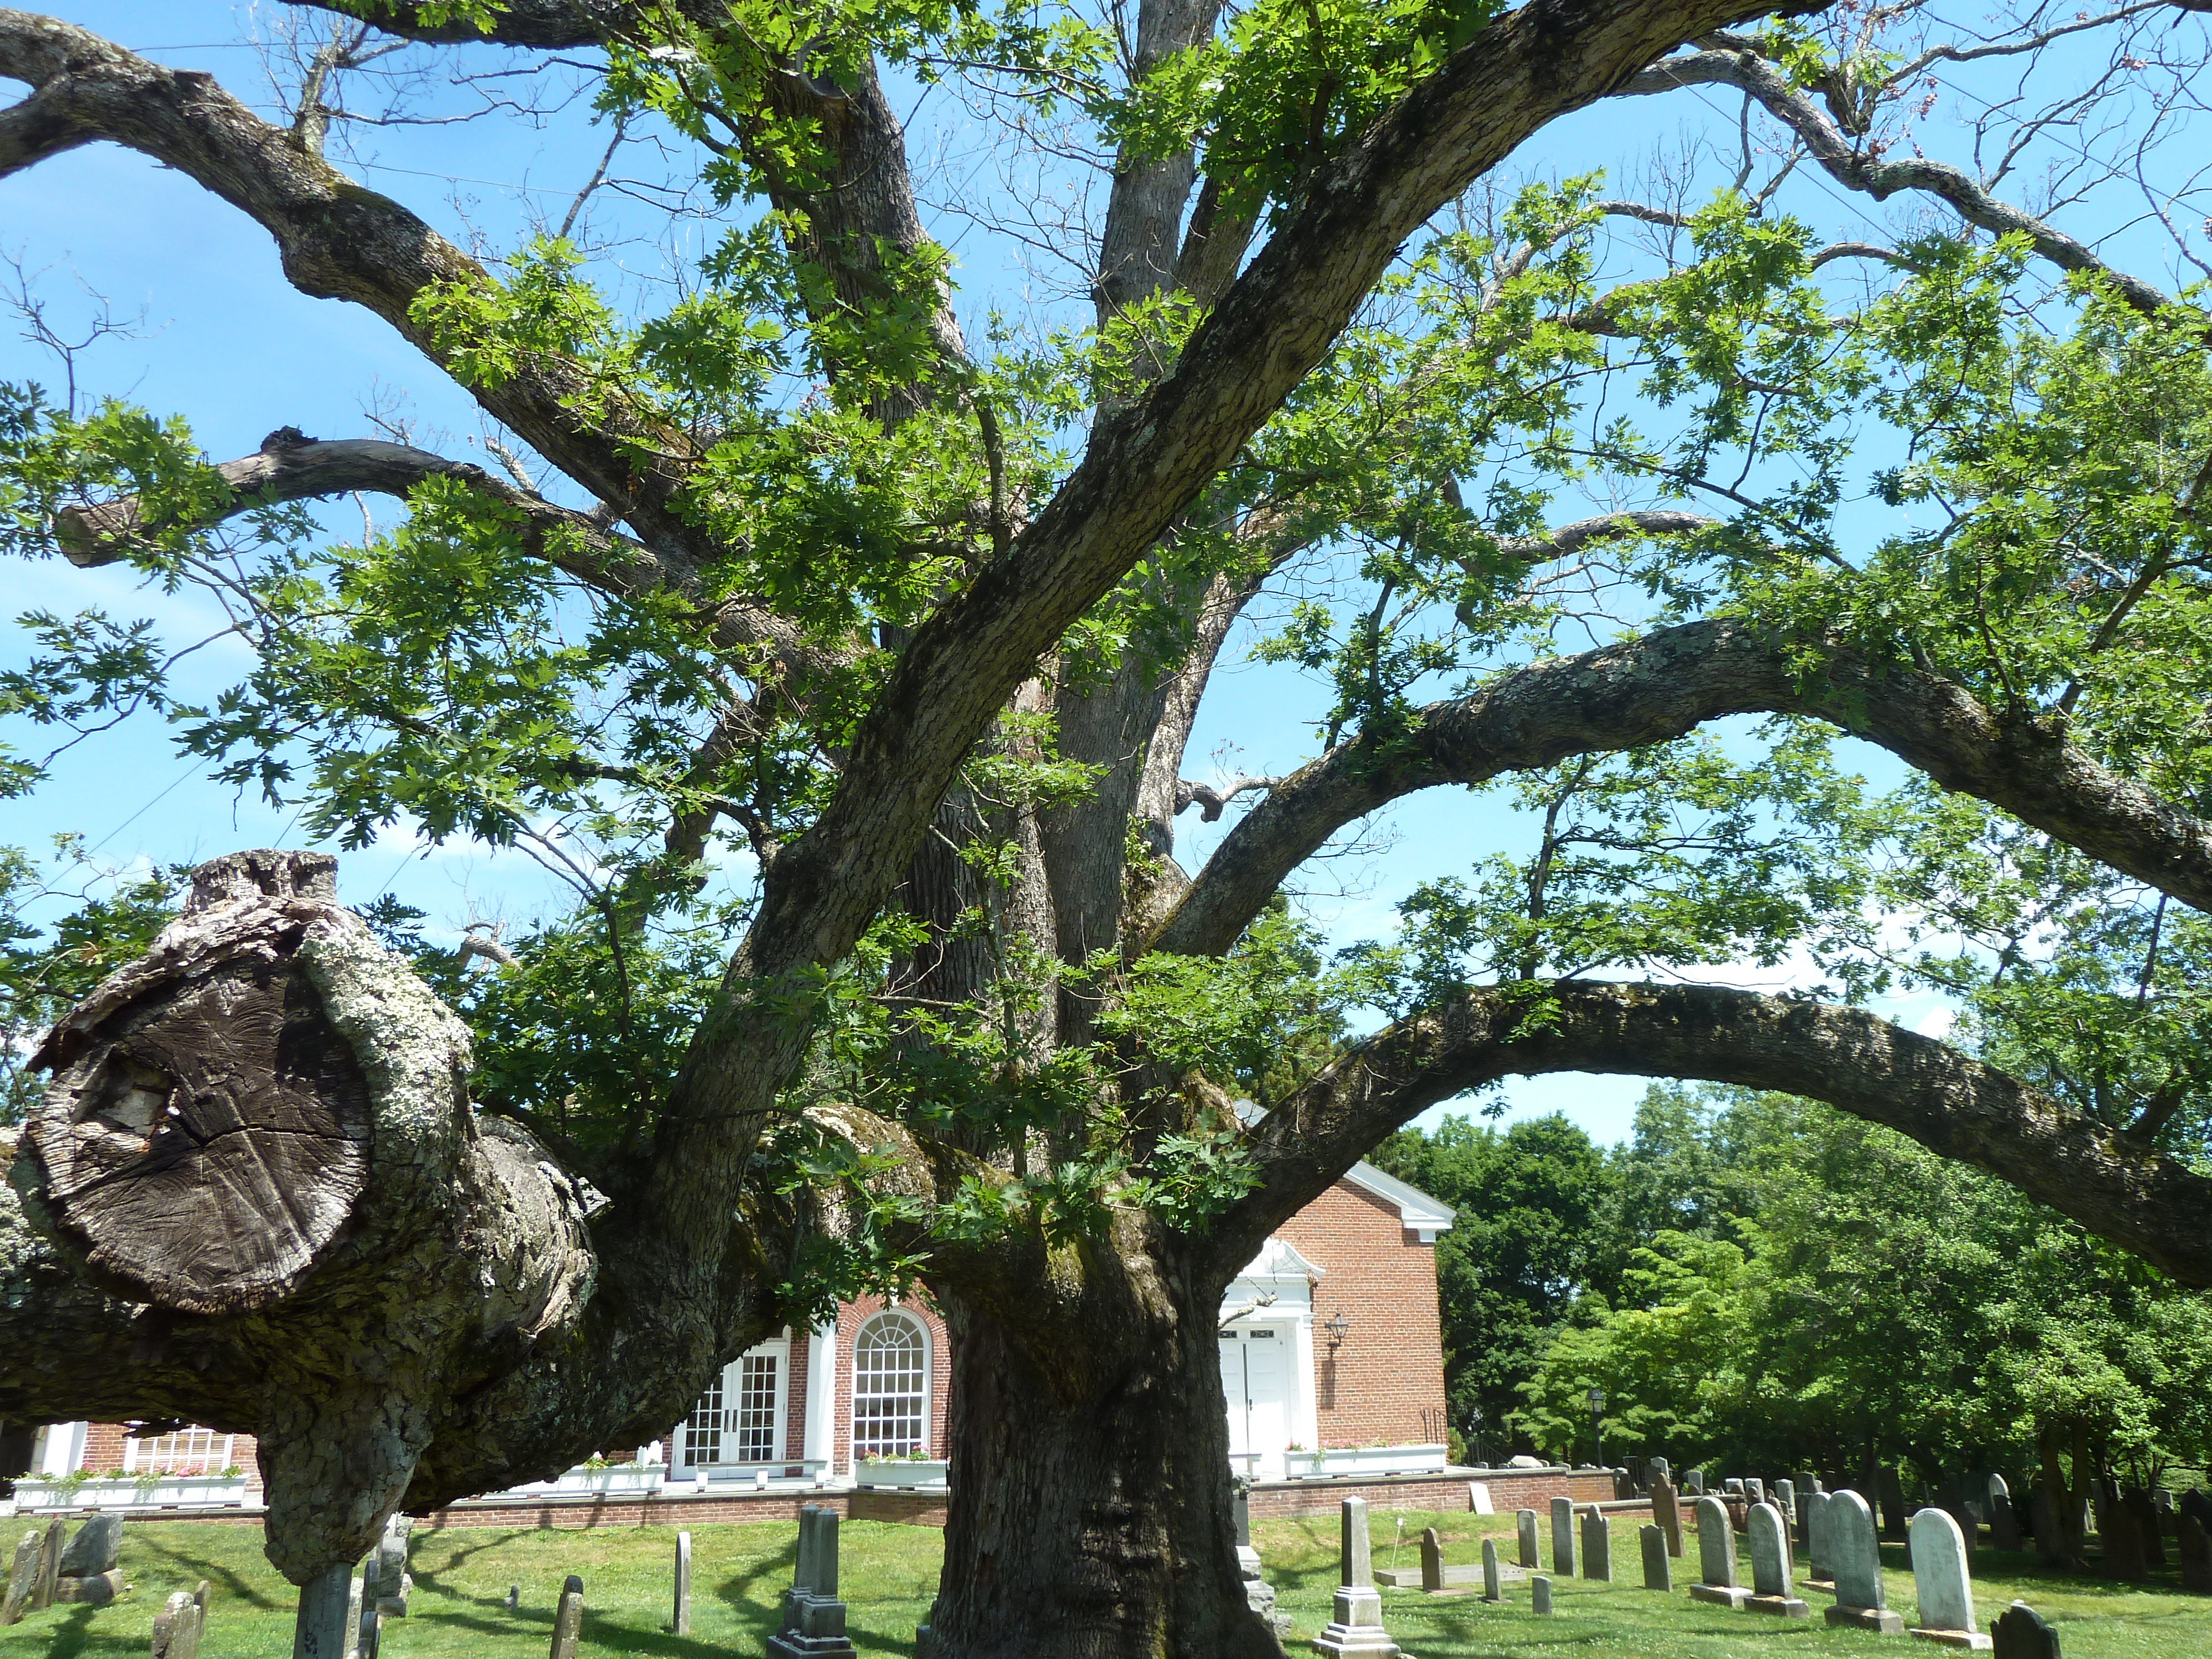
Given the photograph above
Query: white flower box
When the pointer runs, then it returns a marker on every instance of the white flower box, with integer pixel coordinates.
(168, 1492)
(902, 1472)
(622, 1481)
(1337, 1461)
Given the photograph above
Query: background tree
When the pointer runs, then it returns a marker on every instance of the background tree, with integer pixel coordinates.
(917, 629)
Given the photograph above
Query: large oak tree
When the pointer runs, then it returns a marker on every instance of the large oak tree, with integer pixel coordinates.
(922, 630)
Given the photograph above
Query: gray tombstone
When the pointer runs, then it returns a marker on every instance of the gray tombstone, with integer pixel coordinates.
(96, 1548)
(1660, 1467)
(1732, 1487)
(22, 1578)
(1658, 1566)
(1855, 1562)
(1356, 1627)
(1754, 1491)
(1667, 1516)
(813, 1615)
(1597, 1545)
(2020, 1633)
(1492, 1591)
(1477, 1498)
(353, 1617)
(1771, 1590)
(1716, 1578)
(1539, 1595)
(1893, 1503)
(2122, 1533)
(1940, 1584)
(1562, 1537)
(394, 1583)
(1432, 1561)
(1694, 1483)
(177, 1626)
(1813, 1512)
(369, 1628)
(50, 1564)
(1785, 1499)
(680, 1621)
(514, 1597)
(2196, 1551)
(2004, 1524)
(1524, 1527)
(2147, 1528)
(569, 1619)
(328, 1623)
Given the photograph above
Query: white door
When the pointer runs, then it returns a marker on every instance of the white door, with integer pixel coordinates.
(1255, 1383)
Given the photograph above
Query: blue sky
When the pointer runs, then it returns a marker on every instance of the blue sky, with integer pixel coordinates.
(229, 344)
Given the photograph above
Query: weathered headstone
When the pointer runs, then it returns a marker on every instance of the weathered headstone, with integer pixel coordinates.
(569, 1619)
(1855, 1562)
(2121, 1535)
(328, 1625)
(1969, 1525)
(1667, 1516)
(1893, 1505)
(813, 1615)
(1259, 1594)
(1660, 1468)
(1356, 1624)
(2004, 1524)
(2196, 1502)
(1717, 1576)
(1754, 1491)
(1478, 1497)
(1732, 1486)
(1771, 1590)
(90, 1575)
(680, 1621)
(1539, 1594)
(1597, 1545)
(2138, 1503)
(2194, 1549)
(1694, 1483)
(1941, 1587)
(50, 1564)
(177, 1627)
(1524, 1527)
(368, 1628)
(394, 1583)
(1432, 1560)
(1493, 1589)
(2020, 1633)
(353, 1588)
(1785, 1499)
(1814, 1523)
(1562, 1537)
(22, 1578)
(1658, 1566)
(514, 1597)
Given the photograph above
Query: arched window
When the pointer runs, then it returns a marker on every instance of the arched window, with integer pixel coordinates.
(890, 1388)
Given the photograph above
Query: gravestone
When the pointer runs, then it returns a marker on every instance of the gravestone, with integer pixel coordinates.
(680, 1621)
(1941, 1584)
(1893, 1505)
(1855, 1561)
(1785, 1499)
(2050, 1546)
(1667, 1514)
(514, 1597)
(351, 1633)
(1432, 1561)
(1658, 1566)
(394, 1583)
(1598, 1547)
(50, 1564)
(329, 1621)
(1969, 1525)
(2194, 1502)
(813, 1615)
(1539, 1595)
(90, 1575)
(1478, 1497)
(2020, 1633)
(1524, 1527)
(1694, 1483)
(569, 1619)
(22, 1579)
(1716, 1578)
(1493, 1589)
(2121, 1535)
(1562, 1537)
(1771, 1591)
(1356, 1625)
(179, 1626)
(1732, 1486)
(2004, 1524)
(1754, 1491)
(1659, 1469)
(1816, 1523)
(1259, 1594)
(2137, 1503)
(368, 1629)
(2196, 1551)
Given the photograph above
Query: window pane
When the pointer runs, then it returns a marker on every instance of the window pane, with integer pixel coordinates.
(890, 1389)
(752, 1423)
(703, 1430)
(188, 1451)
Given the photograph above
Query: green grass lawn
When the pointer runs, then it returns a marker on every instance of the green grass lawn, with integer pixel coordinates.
(890, 1575)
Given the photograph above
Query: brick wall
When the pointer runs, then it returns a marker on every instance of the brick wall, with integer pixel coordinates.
(103, 1450)
(1385, 1381)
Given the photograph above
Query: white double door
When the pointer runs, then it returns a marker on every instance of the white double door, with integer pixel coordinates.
(1256, 1387)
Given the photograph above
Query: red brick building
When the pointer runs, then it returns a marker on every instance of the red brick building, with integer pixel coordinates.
(1330, 1342)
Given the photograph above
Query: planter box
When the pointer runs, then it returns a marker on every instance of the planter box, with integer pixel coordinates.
(900, 1472)
(1338, 1461)
(168, 1491)
(631, 1482)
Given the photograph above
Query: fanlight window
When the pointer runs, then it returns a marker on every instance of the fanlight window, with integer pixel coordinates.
(188, 1451)
(890, 1388)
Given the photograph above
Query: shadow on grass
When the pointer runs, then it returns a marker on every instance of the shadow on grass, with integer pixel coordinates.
(191, 1567)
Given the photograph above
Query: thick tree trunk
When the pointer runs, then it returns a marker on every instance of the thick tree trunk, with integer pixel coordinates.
(1089, 1506)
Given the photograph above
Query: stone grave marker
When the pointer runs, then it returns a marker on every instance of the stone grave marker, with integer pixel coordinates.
(1596, 1545)
(1660, 1467)
(394, 1583)
(813, 1615)
(2196, 1551)
(1694, 1483)
(2020, 1633)
(1493, 1589)
(1785, 1499)
(350, 1633)
(179, 1626)
(1356, 1625)
(2004, 1524)
(1432, 1561)
(1259, 1594)
(1893, 1505)
(1524, 1527)
(2138, 1503)
(569, 1619)
(369, 1630)
(1813, 1522)
(329, 1621)
(1969, 1525)
(1732, 1486)
(1855, 1561)
(50, 1564)
(1478, 1497)
(1658, 1565)
(1754, 1491)
(1940, 1584)
(2124, 1555)
(680, 1620)
(1562, 1537)
(90, 1575)
(1539, 1595)
(1716, 1576)
(2194, 1502)
(1667, 1516)
(514, 1597)
(1770, 1560)
(22, 1578)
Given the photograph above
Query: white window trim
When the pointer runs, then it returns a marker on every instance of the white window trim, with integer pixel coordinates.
(853, 1380)
(779, 1349)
